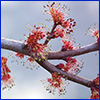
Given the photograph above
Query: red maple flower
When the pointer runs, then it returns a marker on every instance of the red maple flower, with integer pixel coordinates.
(56, 82)
(4, 68)
(6, 79)
(96, 34)
(94, 31)
(30, 59)
(68, 25)
(95, 91)
(3, 61)
(58, 33)
(95, 94)
(58, 14)
(67, 45)
(60, 66)
(72, 65)
(19, 55)
(33, 38)
(70, 59)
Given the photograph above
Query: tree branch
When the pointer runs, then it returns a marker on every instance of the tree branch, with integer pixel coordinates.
(76, 52)
(13, 45)
(49, 37)
(51, 68)
(17, 46)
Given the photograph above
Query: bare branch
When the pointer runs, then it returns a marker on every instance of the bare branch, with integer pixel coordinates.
(13, 45)
(76, 52)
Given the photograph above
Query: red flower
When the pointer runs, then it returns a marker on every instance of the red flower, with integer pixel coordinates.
(30, 59)
(6, 79)
(58, 15)
(69, 24)
(95, 91)
(67, 45)
(4, 68)
(19, 55)
(94, 95)
(55, 83)
(68, 59)
(3, 61)
(58, 33)
(96, 81)
(32, 40)
(65, 24)
(49, 79)
(60, 66)
(94, 31)
(72, 65)
(67, 67)
(96, 34)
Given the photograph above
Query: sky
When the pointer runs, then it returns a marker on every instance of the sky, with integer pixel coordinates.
(15, 15)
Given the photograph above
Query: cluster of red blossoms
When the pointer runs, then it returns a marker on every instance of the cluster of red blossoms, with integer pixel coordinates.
(96, 34)
(67, 45)
(58, 15)
(56, 82)
(30, 59)
(58, 32)
(72, 65)
(32, 41)
(95, 91)
(6, 79)
(94, 31)
(19, 55)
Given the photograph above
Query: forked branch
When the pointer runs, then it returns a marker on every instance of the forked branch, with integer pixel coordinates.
(17, 46)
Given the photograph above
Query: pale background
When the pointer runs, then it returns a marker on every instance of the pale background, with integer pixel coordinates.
(14, 17)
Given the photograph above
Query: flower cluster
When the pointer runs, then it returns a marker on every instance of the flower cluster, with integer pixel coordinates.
(30, 60)
(19, 55)
(32, 41)
(58, 15)
(94, 32)
(72, 66)
(95, 91)
(6, 79)
(67, 45)
(58, 33)
(32, 63)
(56, 82)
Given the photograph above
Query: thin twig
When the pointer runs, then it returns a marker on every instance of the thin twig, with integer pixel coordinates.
(49, 37)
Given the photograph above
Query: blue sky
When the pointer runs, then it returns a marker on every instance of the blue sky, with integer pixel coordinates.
(14, 18)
